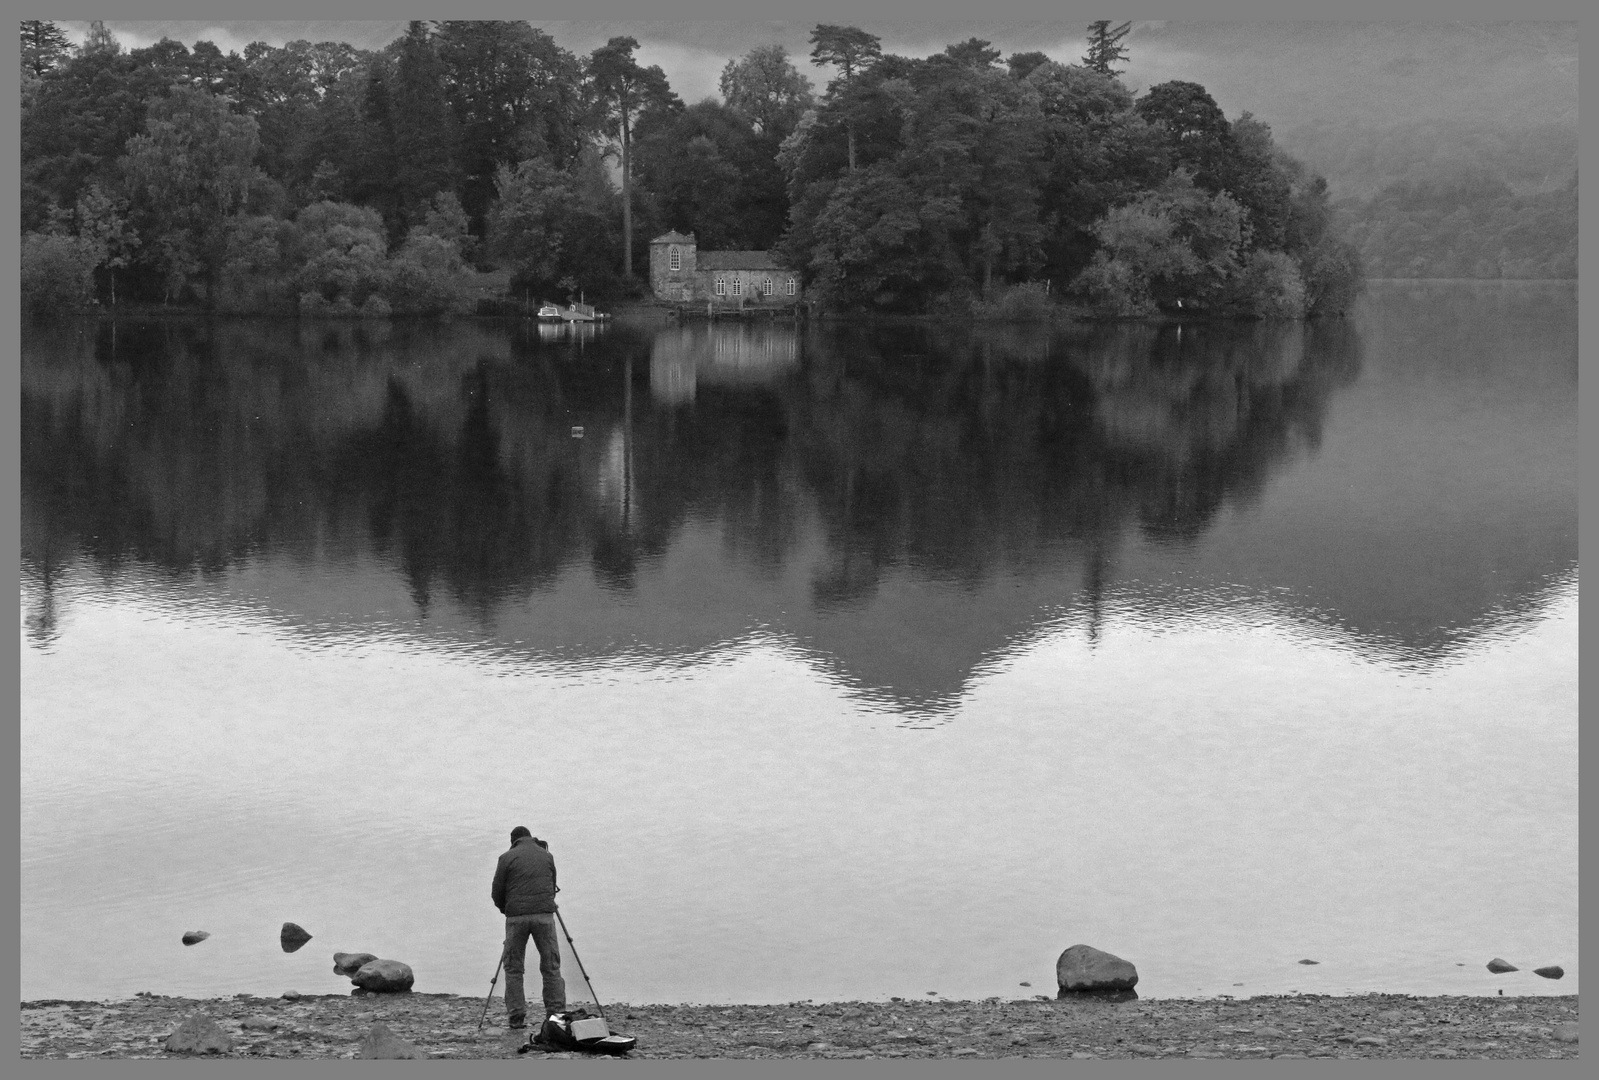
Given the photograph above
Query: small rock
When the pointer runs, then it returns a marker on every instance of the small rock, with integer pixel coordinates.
(260, 1023)
(1027, 984)
(1310, 961)
(1144, 1048)
(292, 937)
(1085, 968)
(965, 1051)
(1553, 971)
(1445, 1052)
(380, 1043)
(384, 977)
(348, 963)
(290, 995)
(1372, 1040)
(1566, 1032)
(199, 1034)
(1499, 967)
(1268, 1033)
(194, 937)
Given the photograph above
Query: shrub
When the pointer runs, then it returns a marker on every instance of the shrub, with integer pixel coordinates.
(1114, 288)
(342, 253)
(1333, 277)
(1026, 302)
(255, 276)
(57, 273)
(1268, 286)
(427, 276)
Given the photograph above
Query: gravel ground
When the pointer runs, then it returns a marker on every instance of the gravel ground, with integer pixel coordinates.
(444, 1026)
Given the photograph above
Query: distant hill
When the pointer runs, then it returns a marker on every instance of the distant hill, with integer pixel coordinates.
(1376, 75)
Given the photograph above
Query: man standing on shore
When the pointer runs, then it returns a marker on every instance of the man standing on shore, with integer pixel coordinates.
(524, 891)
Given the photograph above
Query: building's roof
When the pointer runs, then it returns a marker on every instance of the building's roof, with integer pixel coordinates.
(737, 260)
(673, 237)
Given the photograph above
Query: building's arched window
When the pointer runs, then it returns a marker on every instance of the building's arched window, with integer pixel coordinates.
(738, 286)
(766, 287)
(791, 286)
(674, 257)
(721, 285)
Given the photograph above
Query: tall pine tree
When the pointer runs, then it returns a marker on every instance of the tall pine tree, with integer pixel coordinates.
(44, 45)
(1105, 49)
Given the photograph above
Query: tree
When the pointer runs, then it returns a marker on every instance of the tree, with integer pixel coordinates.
(57, 270)
(100, 39)
(767, 90)
(515, 94)
(188, 174)
(422, 122)
(45, 46)
(690, 162)
(1175, 246)
(622, 89)
(974, 52)
(849, 49)
(1097, 152)
(554, 227)
(1104, 46)
(1024, 64)
(102, 220)
(1197, 132)
(342, 256)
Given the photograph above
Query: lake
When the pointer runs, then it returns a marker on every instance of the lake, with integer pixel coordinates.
(838, 662)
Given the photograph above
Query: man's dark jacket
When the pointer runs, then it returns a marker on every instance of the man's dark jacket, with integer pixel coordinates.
(524, 880)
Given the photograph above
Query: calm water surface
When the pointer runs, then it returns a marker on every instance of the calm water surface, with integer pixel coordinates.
(845, 663)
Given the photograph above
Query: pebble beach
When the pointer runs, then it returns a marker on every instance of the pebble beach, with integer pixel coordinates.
(445, 1027)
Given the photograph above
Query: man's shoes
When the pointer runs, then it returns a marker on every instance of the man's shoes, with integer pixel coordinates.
(517, 1023)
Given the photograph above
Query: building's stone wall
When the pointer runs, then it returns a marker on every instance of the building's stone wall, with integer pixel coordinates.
(666, 283)
(690, 283)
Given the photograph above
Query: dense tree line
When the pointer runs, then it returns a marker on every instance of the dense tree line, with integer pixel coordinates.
(320, 177)
(928, 183)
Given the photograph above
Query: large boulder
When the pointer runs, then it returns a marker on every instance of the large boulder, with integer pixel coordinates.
(381, 1043)
(348, 963)
(384, 977)
(1085, 969)
(1553, 971)
(292, 936)
(194, 937)
(1499, 967)
(199, 1034)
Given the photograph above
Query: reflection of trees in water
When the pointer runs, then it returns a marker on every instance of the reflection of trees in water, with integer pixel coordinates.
(956, 457)
(190, 445)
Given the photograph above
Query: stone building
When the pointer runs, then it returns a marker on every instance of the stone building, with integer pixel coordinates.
(681, 273)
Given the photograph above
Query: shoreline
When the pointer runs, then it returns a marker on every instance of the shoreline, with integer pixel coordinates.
(445, 1027)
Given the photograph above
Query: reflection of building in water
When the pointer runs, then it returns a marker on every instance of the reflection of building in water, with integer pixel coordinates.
(683, 357)
(615, 485)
